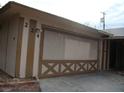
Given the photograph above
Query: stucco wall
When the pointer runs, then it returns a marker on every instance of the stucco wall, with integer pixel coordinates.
(58, 46)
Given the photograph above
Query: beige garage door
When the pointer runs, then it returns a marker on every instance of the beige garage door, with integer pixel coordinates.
(65, 54)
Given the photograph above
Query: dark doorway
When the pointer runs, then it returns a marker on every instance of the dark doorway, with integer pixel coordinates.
(117, 54)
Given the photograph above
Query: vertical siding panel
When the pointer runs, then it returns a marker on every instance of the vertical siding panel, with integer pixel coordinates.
(100, 54)
(37, 51)
(19, 44)
(11, 45)
(104, 54)
(3, 44)
(24, 46)
(7, 33)
(30, 50)
(107, 54)
(41, 53)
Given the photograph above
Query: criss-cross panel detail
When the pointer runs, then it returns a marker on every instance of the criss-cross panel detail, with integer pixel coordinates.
(50, 68)
(82, 67)
(67, 67)
(92, 66)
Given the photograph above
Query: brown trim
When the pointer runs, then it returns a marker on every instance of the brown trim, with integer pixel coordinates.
(108, 57)
(56, 29)
(19, 44)
(42, 44)
(70, 67)
(41, 51)
(5, 8)
(101, 54)
(104, 55)
(102, 65)
(98, 50)
(30, 50)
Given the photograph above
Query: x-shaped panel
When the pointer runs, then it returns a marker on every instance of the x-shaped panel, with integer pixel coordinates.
(50, 68)
(92, 66)
(67, 67)
(81, 67)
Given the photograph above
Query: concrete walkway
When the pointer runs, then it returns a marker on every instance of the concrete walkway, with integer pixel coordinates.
(92, 82)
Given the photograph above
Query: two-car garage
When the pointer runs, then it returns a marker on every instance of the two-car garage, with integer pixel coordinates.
(67, 54)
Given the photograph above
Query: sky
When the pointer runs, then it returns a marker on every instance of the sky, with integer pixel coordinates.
(86, 12)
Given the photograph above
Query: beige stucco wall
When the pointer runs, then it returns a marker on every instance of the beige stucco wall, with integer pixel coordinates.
(8, 43)
(58, 46)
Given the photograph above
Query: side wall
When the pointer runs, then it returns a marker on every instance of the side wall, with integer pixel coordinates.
(4, 29)
(8, 40)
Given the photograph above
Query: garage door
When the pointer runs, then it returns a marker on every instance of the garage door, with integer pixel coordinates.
(65, 54)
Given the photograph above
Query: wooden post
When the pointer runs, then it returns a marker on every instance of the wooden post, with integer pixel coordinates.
(99, 54)
(19, 45)
(30, 50)
(41, 52)
(108, 54)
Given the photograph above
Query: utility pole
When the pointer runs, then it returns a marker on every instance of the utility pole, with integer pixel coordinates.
(103, 20)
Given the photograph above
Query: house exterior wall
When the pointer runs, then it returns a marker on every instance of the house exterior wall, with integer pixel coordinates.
(11, 47)
(56, 46)
(3, 44)
(8, 45)
(62, 44)
(30, 49)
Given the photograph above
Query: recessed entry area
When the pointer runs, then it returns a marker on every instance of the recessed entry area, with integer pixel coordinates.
(117, 54)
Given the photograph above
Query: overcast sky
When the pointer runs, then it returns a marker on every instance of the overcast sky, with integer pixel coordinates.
(83, 11)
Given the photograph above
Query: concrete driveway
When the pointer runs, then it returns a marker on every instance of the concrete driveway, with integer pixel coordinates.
(92, 82)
